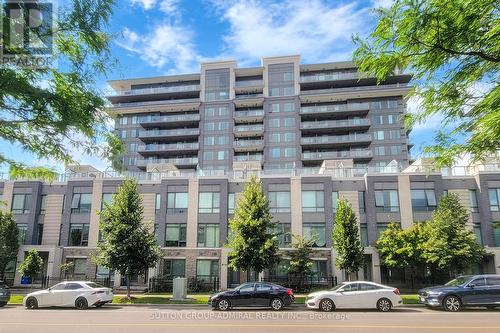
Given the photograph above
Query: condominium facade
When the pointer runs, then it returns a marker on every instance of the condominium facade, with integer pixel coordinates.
(311, 133)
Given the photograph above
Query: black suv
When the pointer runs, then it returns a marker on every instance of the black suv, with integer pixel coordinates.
(464, 291)
(4, 294)
(250, 294)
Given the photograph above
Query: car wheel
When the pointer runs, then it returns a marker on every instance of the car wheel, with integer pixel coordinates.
(326, 305)
(31, 303)
(491, 307)
(81, 303)
(3, 304)
(452, 303)
(223, 305)
(276, 304)
(384, 305)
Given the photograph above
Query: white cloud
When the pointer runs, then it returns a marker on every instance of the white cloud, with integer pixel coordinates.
(146, 4)
(316, 30)
(382, 3)
(169, 7)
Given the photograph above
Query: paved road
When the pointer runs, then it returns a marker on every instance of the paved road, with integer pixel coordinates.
(195, 319)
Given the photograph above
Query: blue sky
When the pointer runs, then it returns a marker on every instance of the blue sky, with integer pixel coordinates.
(159, 37)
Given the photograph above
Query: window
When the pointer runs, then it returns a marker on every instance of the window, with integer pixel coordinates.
(290, 152)
(209, 202)
(21, 203)
(379, 151)
(287, 76)
(177, 202)
(378, 135)
(378, 120)
(173, 268)
(157, 202)
(206, 268)
(246, 288)
(363, 233)
(477, 233)
(493, 281)
(274, 137)
(394, 134)
(175, 235)
(274, 123)
(208, 155)
(274, 92)
(289, 107)
(102, 272)
(280, 269)
(392, 118)
(262, 287)
(289, 137)
(284, 234)
(22, 233)
(318, 268)
(123, 120)
(316, 232)
(289, 122)
(275, 107)
(494, 194)
(479, 282)
(395, 150)
(39, 233)
(208, 235)
(43, 204)
(313, 201)
(275, 153)
(279, 202)
(361, 201)
(107, 198)
(288, 91)
(77, 269)
(473, 201)
(81, 203)
(335, 198)
(423, 200)
(230, 203)
(496, 236)
(221, 155)
(78, 235)
(73, 286)
(366, 286)
(387, 201)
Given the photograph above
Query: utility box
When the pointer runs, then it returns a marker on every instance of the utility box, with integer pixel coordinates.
(179, 291)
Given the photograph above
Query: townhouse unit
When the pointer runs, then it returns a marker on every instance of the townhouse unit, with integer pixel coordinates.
(190, 214)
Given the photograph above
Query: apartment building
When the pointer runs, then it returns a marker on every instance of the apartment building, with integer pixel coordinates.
(281, 115)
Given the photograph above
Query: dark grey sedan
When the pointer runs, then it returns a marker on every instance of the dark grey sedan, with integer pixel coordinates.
(4, 294)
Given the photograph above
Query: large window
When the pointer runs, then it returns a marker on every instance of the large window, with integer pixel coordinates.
(209, 202)
(107, 198)
(22, 233)
(78, 234)
(335, 198)
(43, 204)
(361, 202)
(230, 203)
(315, 231)
(21, 203)
(280, 269)
(363, 233)
(423, 200)
(207, 269)
(387, 201)
(39, 233)
(313, 201)
(494, 194)
(284, 234)
(173, 268)
(477, 233)
(175, 235)
(77, 268)
(177, 202)
(279, 202)
(208, 235)
(81, 203)
(496, 236)
(318, 268)
(474, 208)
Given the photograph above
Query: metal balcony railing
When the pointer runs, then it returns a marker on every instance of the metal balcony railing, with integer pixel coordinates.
(334, 123)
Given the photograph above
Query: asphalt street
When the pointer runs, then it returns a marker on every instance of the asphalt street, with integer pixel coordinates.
(201, 319)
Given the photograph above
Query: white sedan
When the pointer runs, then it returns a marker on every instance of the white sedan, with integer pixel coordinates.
(355, 295)
(79, 294)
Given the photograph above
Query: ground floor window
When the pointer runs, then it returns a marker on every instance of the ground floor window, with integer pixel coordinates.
(76, 268)
(78, 235)
(207, 269)
(174, 268)
(315, 231)
(280, 269)
(319, 268)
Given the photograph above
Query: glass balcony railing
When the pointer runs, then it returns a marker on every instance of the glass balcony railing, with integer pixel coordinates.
(244, 158)
(249, 113)
(172, 132)
(327, 108)
(324, 155)
(171, 118)
(248, 143)
(336, 138)
(152, 103)
(176, 161)
(246, 96)
(169, 146)
(249, 83)
(249, 128)
(158, 90)
(335, 123)
(329, 76)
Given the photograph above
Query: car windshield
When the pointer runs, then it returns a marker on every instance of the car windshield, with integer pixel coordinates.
(458, 281)
(94, 285)
(338, 287)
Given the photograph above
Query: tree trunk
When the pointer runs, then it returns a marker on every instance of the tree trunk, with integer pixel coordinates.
(128, 287)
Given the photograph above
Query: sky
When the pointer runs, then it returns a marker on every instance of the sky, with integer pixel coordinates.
(161, 37)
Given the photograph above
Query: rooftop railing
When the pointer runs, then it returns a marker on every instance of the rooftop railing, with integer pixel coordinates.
(157, 90)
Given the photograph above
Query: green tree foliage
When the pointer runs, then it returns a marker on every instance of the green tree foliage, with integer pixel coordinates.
(253, 243)
(9, 244)
(50, 112)
(452, 49)
(450, 245)
(300, 263)
(32, 265)
(346, 241)
(128, 245)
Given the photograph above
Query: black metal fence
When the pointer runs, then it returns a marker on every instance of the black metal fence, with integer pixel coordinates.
(304, 284)
(194, 284)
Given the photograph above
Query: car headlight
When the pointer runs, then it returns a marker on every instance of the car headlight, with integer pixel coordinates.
(434, 293)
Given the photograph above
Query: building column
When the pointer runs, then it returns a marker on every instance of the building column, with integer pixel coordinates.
(296, 200)
(19, 260)
(8, 191)
(192, 214)
(376, 274)
(405, 207)
(94, 216)
(496, 259)
(223, 268)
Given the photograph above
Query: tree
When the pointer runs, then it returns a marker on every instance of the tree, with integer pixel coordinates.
(346, 242)
(253, 243)
(300, 263)
(450, 246)
(50, 111)
(128, 245)
(32, 265)
(9, 243)
(452, 50)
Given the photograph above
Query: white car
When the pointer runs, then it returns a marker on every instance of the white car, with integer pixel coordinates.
(355, 295)
(79, 294)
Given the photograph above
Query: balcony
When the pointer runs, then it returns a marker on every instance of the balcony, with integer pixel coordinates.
(179, 162)
(329, 140)
(329, 76)
(169, 133)
(328, 94)
(178, 120)
(246, 158)
(167, 105)
(327, 109)
(248, 130)
(332, 155)
(249, 86)
(248, 100)
(329, 125)
(159, 90)
(145, 94)
(248, 116)
(248, 145)
(172, 148)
